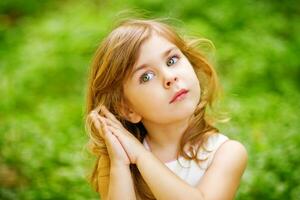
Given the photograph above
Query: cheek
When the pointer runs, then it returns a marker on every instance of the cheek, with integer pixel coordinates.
(194, 82)
(197, 86)
(188, 73)
(143, 99)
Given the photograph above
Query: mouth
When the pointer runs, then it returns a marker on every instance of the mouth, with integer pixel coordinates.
(179, 95)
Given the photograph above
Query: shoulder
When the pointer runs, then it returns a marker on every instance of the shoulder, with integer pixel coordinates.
(232, 156)
(224, 152)
(232, 148)
(225, 172)
(219, 146)
(212, 144)
(215, 140)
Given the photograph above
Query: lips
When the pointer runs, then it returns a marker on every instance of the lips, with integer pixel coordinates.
(178, 95)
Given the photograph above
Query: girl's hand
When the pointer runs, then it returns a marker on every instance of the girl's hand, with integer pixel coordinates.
(133, 147)
(115, 150)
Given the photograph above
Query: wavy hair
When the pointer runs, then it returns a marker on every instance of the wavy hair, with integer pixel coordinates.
(111, 66)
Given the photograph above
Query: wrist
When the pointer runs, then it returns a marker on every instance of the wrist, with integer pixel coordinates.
(119, 165)
(144, 154)
(119, 170)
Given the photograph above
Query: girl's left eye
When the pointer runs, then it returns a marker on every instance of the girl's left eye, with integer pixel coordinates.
(172, 60)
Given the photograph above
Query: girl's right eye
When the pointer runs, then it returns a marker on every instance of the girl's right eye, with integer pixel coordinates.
(146, 77)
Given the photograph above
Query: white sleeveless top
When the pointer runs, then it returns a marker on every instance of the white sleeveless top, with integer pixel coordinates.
(189, 170)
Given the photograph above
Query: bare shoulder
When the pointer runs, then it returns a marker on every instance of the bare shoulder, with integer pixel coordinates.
(225, 172)
(232, 152)
(232, 157)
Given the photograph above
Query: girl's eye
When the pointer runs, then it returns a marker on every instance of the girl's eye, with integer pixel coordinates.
(146, 77)
(172, 60)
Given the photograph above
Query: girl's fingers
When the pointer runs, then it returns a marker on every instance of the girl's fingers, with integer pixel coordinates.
(116, 127)
(116, 132)
(109, 115)
(113, 130)
(99, 123)
(103, 123)
(106, 113)
(110, 122)
(93, 118)
(120, 133)
(109, 139)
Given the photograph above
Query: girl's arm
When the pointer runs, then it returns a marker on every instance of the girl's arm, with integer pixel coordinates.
(220, 181)
(222, 178)
(117, 183)
(163, 183)
(120, 184)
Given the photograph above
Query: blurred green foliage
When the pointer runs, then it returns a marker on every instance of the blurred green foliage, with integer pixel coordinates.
(45, 51)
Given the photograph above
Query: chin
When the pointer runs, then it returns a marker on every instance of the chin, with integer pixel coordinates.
(184, 112)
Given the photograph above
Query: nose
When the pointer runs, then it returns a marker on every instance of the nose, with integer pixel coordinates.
(170, 79)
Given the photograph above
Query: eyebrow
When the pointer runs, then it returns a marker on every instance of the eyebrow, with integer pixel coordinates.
(165, 54)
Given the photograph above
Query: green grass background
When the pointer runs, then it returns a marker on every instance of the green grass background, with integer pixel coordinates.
(45, 51)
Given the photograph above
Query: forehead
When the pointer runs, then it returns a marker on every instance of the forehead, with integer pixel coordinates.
(154, 46)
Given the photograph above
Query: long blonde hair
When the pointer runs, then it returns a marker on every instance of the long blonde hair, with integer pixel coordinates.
(111, 66)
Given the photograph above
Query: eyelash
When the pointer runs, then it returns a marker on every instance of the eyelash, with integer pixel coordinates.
(176, 56)
(169, 58)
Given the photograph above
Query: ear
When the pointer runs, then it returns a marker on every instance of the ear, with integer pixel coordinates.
(128, 113)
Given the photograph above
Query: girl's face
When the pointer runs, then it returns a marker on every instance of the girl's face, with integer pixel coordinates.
(160, 72)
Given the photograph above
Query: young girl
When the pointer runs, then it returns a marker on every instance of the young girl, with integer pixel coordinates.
(146, 114)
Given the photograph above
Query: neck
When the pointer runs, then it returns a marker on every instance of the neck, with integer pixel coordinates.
(165, 135)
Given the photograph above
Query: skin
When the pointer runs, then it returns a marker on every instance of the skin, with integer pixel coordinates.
(165, 124)
(149, 91)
